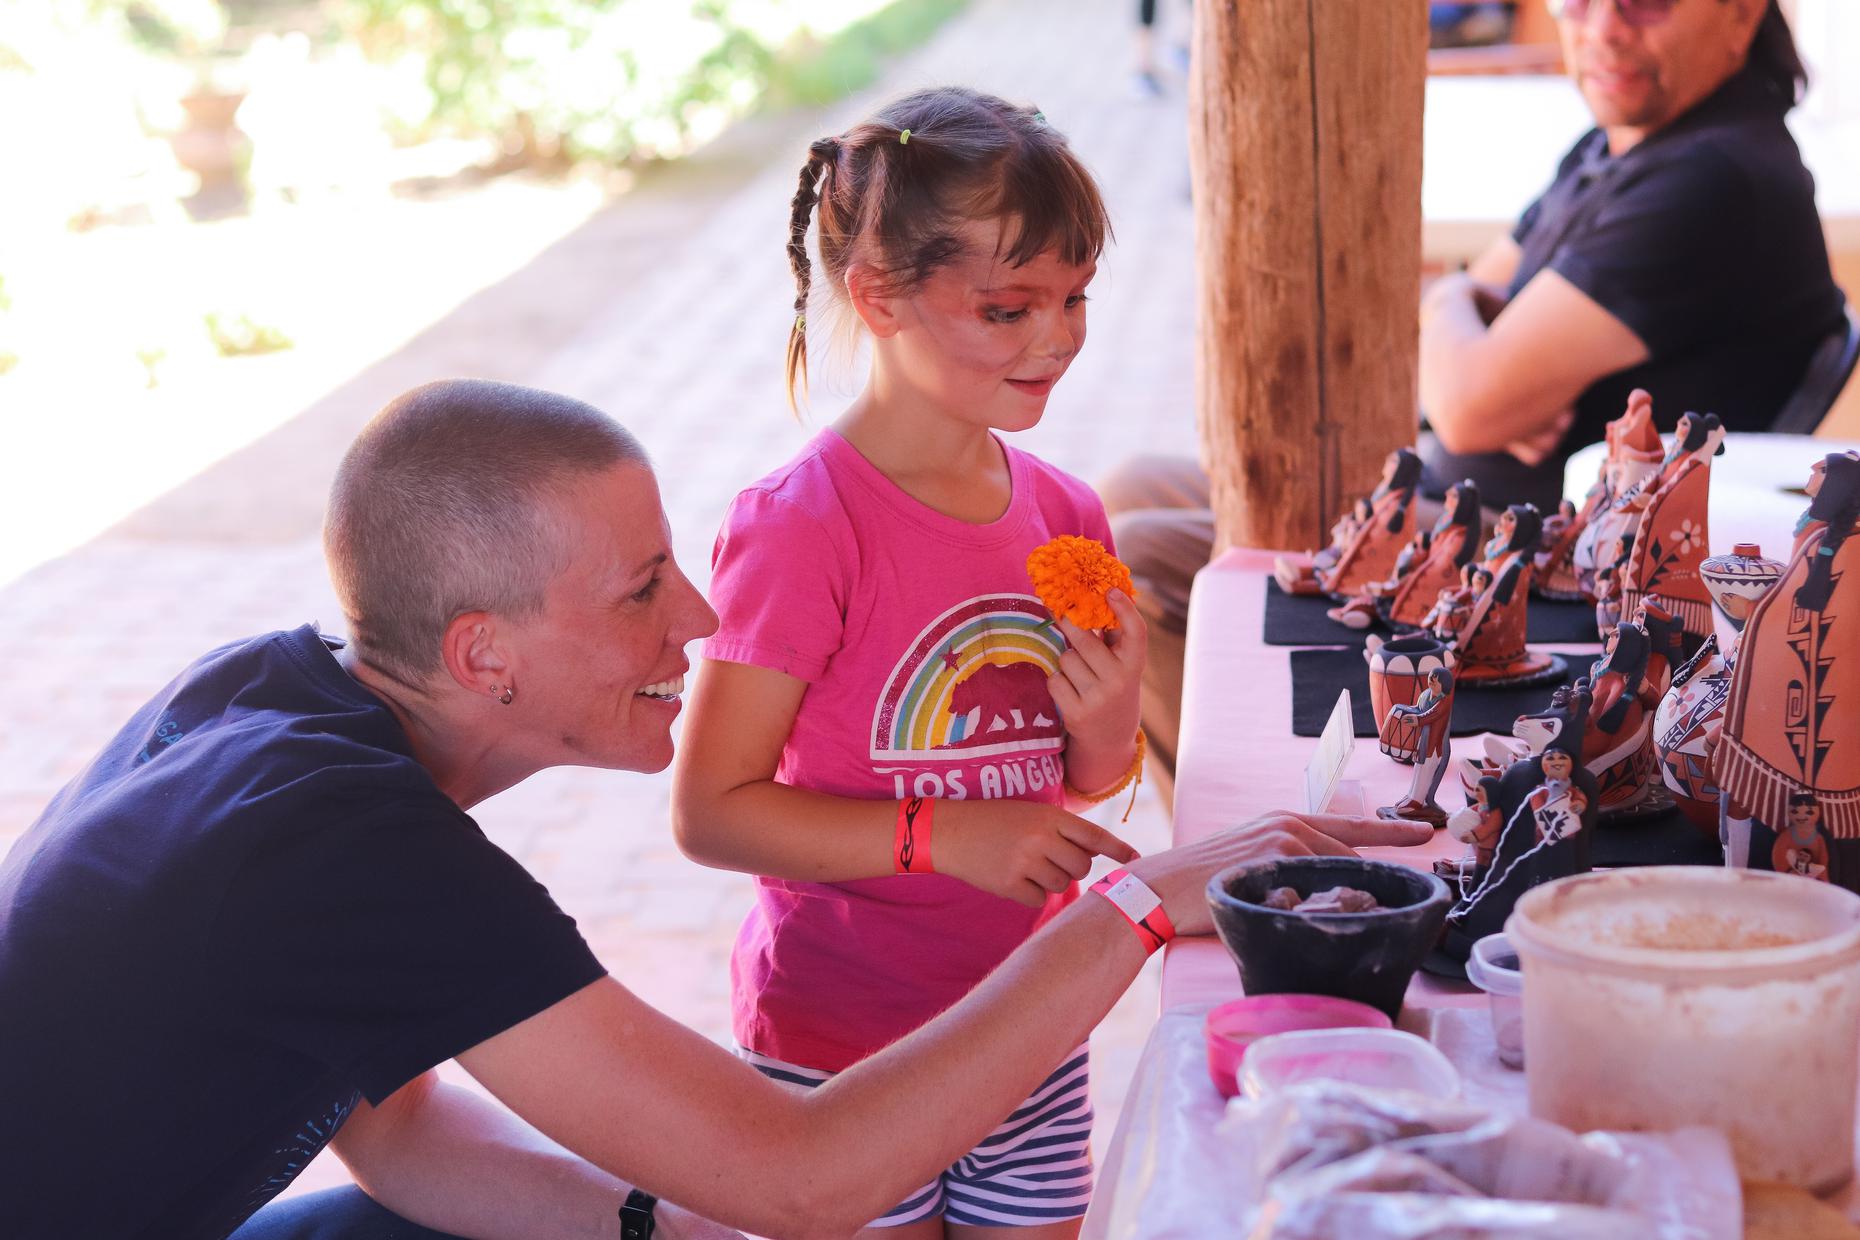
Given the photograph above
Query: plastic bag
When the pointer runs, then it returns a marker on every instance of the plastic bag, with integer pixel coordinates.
(1324, 1158)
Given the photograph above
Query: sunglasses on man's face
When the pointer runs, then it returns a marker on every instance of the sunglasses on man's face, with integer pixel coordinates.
(1633, 12)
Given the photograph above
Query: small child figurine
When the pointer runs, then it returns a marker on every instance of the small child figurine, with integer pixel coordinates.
(1477, 826)
(1453, 605)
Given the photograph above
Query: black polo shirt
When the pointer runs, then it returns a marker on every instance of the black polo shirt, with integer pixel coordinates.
(253, 909)
(1703, 239)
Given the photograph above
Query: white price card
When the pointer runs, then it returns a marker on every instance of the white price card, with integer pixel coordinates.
(1334, 747)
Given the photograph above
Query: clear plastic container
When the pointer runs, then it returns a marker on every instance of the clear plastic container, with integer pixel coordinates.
(1675, 995)
(1381, 1058)
(1493, 968)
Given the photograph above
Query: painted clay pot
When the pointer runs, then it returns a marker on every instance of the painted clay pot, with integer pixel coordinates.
(1738, 580)
(1685, 733)
(1398, 671)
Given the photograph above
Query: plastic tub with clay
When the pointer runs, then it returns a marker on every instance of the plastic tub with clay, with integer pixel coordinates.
(1674, 995)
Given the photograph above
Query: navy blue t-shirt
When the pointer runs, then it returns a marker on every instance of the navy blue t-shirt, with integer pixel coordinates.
(1703, 240)
(251, 910)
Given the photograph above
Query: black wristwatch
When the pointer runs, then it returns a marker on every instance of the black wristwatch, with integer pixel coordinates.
(636, 1221)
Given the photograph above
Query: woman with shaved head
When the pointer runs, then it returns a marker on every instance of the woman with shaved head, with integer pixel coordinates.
(262, 916)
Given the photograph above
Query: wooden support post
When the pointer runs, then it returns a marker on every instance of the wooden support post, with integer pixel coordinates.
(1305, 148)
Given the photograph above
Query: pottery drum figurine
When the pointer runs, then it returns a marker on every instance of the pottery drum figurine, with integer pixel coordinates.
(1686, 726)
(1788, 758)
(1398, 673)
(1490, 645)
(1673, 536)
(1364, 542)
(1419, 734)
(1634, 452)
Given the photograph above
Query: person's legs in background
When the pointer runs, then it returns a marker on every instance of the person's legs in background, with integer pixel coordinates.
(1143, 78)
(334, 1214)
(1164, 530)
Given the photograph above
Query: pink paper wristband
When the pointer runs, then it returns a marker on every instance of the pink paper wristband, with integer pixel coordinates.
(1138, 905)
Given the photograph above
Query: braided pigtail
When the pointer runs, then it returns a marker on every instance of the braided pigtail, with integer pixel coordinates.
(822, 157)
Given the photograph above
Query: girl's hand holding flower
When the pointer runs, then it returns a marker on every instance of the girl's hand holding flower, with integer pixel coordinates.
(1100, 675)
(1097, 689)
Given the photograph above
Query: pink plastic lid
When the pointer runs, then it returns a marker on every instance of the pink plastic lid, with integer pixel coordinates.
(1232, 1026)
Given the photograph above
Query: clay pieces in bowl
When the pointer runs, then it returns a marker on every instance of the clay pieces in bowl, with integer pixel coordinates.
(1368, 957)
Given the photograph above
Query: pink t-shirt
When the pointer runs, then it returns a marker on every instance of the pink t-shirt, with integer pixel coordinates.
(926, 663)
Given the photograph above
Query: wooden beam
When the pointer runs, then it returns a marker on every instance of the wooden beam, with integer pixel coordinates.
(1305, 150)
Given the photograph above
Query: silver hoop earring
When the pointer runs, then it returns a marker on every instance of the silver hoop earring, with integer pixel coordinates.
(502, 694)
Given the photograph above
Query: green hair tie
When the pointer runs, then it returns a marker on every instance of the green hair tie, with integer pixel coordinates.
(800, 323)
(904, 137)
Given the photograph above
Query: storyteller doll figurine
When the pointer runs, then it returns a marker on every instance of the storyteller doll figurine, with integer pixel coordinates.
(1617, 748)
(1634, 452)
(1431, 562)
(1790, 727)
(1555, 560)
(1422, 730)
(1547, 803)
(1490, 644)
(1364, 545)
(1673, 535)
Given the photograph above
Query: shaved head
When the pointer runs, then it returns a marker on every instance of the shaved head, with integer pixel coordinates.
(447, 503)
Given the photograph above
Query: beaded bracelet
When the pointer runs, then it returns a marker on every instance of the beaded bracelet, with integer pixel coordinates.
(1130, 778)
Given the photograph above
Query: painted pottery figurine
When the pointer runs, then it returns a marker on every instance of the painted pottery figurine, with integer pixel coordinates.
(1490, 644)
(1617, 747)
(1634, 451)
(1788, 757)
(1364, 542)
(1686, 727)
(1673, 535)
(1477, 826)
(1555, 560)
(1419, 734)
(1547, 803)
(1665, 649)
(1398, 674)
(1453, 607)
(1431, 562)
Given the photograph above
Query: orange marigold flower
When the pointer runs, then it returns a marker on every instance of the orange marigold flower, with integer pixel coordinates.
(1073, 574)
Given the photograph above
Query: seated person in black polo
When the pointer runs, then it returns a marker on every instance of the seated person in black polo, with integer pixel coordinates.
(1677, 250)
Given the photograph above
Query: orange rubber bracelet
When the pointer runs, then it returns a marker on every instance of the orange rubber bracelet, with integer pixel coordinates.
(1139, 906)
(910, 843)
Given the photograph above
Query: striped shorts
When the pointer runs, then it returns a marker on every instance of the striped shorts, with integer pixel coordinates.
(1034, 1168)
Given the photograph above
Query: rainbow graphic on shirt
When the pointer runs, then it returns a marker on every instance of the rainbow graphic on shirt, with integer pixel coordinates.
(973, 684)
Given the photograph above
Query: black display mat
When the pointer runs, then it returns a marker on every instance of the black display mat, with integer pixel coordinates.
(1299, 620)
(1318, 676)
(1661, 839)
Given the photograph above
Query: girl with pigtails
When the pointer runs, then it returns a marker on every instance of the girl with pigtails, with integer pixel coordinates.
(889, 728)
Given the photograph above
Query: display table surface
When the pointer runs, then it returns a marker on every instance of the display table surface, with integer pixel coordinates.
(1238, 759)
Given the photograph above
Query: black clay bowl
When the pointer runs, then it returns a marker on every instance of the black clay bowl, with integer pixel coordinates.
(1368, 957)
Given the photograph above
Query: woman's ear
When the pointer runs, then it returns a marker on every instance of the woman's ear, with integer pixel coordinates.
(872, 300)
